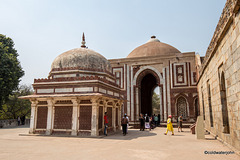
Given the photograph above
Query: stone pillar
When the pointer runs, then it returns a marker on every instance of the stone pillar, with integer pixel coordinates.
(94, 128)
(114, 117)
(168, 93)
(75, 117)
(49, 117)
(164, 95)
(119, 115)
(33, 119)
(200, 128)
(137, 103)
(161, 106)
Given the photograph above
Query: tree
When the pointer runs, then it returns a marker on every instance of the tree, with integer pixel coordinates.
(15, 107)
(10, 69)
(156, 103)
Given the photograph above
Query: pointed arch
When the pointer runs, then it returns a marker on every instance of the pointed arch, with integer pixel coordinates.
(147, 69)
(223, 96)
(182, 106)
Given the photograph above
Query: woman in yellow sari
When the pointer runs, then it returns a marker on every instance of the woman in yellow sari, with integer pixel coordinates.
(169, 125)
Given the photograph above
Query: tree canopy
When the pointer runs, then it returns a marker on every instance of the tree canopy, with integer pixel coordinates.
(156, 103)
(10, 69)
(15, 107)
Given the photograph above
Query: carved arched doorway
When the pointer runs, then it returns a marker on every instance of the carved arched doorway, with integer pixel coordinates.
(147, 82)
(182, 107)
(197, 112)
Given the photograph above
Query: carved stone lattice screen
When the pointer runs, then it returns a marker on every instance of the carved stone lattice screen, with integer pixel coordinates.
(63, 117)
(109, 114)
(42, 117)
(182, 107)
(85, 118)
(100, 117)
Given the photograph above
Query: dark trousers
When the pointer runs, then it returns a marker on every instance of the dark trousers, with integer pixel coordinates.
(156, 123)
(124, 126)
(105, 129)
(141, 127)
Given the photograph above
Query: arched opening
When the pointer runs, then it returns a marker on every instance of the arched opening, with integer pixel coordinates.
(197, 112)
(210, 105)
(148, 84)
(203, 108)
(156, 101)
(182, 107)
(224, 105)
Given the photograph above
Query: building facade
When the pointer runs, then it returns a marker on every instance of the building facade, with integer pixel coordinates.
(157, 64)
(219, 78)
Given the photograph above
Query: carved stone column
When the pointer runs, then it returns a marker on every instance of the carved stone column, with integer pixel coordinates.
(75, 117)
(50, 117)
(114, 117)
(120, 114)
(33, 116)
(94, 128)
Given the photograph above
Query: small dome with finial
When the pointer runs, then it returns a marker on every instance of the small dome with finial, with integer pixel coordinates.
(153, 47)
(81, 58)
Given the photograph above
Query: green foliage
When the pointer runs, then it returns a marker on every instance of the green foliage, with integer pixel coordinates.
(15, 107)
(156, 103)
(10, 69)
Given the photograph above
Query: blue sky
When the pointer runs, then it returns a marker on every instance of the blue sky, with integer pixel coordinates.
(43, 29)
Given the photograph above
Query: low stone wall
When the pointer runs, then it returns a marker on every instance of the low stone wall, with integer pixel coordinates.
(11, 123)
(8, 123)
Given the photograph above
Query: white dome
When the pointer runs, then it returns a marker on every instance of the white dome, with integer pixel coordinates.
(82, 58)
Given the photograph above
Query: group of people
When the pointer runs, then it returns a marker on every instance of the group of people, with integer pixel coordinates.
(149, 122)
(170, 126)
(146, 122)
(21, 120)
(124, 123)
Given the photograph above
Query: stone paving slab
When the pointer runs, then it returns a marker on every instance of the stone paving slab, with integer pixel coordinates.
(140, 145)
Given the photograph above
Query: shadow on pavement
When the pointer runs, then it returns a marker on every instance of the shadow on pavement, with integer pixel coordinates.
(132, 134)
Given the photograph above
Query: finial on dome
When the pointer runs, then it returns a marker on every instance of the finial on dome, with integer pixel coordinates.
(83, 41)
(153, 39)
(153, 36)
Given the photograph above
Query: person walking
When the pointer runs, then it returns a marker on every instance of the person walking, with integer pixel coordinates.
(142, 122)
(124, 124)
(169, 125)
(127, 123)
(105, 123)
(18, 119)
(156, 120)
(180, 120)
(147, 124)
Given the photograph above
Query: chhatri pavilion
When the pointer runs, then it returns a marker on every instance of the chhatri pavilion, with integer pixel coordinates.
(72, 100)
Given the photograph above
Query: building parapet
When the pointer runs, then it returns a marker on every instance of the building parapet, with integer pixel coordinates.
(230, 9)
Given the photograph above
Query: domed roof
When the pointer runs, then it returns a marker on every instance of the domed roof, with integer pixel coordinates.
(82, 58)
(153, 47)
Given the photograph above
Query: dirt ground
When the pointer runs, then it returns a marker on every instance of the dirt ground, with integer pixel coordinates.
(139, 145)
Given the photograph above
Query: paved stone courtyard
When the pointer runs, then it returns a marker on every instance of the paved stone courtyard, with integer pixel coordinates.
(136, 145)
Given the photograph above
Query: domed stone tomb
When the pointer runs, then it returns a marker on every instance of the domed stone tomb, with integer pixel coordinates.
(80, 88)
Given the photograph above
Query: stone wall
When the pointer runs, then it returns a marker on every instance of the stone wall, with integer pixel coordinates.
(8, 123)
(223, 60)
(11, 123)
